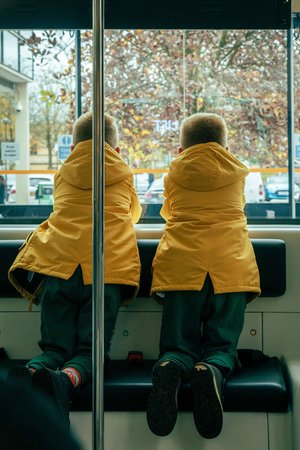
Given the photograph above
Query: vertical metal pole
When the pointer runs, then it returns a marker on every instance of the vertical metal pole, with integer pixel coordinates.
(78, 74)
(184, 71)
(98, 224)
(291, 121)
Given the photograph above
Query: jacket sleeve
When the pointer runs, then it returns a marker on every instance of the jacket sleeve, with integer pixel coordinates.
(135, 207)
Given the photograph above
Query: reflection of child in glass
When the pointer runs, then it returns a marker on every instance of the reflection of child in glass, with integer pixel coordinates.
(204, 272)
(54, 266)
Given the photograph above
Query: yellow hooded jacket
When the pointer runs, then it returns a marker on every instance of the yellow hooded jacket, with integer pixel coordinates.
(64, 241)
(206, 229)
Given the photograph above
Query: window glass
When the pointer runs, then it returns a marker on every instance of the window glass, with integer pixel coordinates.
(10, 50)
(153, 79)
(37, 117)
(156, 78)
(6, 113)
(26, 63)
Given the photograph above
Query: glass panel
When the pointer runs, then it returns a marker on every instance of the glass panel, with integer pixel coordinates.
(26, 63)
(155, 78)
(6, 134)
(31, 155)
(10, 50)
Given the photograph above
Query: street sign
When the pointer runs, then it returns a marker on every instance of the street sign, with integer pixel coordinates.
(63, 152)
(64, 139)
(10, 151)
(64, 142)
(165, 125)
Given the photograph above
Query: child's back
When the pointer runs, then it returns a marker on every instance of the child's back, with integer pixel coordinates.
(205, 224)
(64, 241)
(204, 272)
(54, 266)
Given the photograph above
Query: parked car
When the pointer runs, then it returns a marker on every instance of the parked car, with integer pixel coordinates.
(34, 181)
(277, 188)
(44, 193)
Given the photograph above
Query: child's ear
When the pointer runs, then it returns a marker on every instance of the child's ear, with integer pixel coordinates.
(118, 149)
(180, 150)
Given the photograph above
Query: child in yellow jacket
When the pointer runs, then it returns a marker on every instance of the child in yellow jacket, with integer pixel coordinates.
(204, 272)
(54, 265)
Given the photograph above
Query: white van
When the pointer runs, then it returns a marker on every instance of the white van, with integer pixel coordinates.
(254, 188)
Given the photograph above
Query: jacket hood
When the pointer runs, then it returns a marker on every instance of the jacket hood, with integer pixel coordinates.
(116, 168)
(205, 167)
(77, 169)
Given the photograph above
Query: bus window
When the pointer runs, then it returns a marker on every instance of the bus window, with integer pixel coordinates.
(153, 79)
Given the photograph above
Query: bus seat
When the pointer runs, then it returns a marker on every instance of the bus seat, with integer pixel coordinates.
(256, 387)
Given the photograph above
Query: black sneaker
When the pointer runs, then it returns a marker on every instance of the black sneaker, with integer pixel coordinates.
(19, 374)
(162, 403)
(57, 386)
(206, 386)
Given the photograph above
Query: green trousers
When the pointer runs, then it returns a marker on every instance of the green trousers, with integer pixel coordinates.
(66, 323)
(202, 326)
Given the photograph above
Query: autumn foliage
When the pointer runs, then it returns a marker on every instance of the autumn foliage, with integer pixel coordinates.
(154, 78)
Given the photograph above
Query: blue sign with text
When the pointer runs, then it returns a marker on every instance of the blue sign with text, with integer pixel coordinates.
(63, 152)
